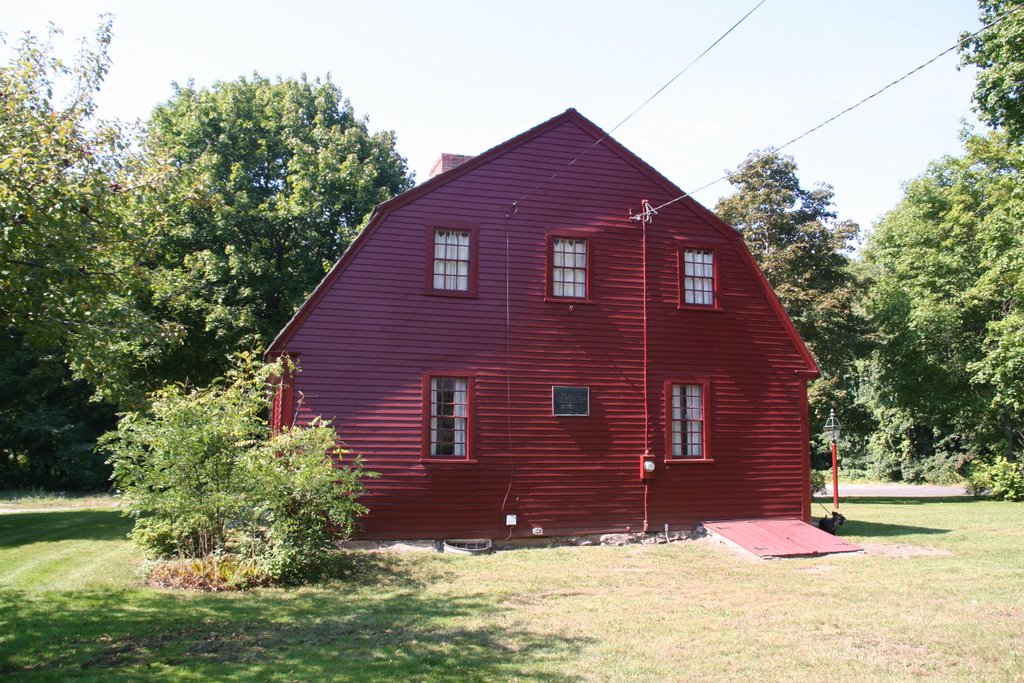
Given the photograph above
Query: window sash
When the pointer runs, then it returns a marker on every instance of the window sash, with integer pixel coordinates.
(449, 417)
(451, 260)
(687, 421)
(699, 277)
(569, 268)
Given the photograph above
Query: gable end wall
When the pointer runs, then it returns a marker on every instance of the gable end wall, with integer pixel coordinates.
(375, 331)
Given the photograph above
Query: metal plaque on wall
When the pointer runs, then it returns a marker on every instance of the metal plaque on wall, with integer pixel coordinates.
(570, 401)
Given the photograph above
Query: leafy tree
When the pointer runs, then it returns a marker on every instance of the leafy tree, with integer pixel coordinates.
(947, 271)
(271, 181)
(203, 474)
(69, 261)
(999, 54)
(69, 258)
(801, 246)
(56, 188)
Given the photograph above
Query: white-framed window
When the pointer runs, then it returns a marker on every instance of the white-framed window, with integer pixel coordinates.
(569, 267)
(687, 421)
(449, 417)
(698, 277)
(451, 260)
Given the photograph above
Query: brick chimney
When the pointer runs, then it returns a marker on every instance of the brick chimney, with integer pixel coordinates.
(447, 162)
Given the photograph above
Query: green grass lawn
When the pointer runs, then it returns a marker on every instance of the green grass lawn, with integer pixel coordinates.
(19, 499)
(69, 609)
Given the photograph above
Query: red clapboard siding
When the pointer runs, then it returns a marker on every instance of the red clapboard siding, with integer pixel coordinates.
(370, 332)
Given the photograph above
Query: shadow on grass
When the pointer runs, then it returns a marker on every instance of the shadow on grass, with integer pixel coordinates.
(21, 528)
(354, 634)
(878, 530)
(354, 568)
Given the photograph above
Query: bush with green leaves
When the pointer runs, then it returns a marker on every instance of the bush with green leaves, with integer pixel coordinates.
(204, 475)
(1002, 479)
(817, 482)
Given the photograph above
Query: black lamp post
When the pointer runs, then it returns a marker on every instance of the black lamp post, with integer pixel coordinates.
(832, 429)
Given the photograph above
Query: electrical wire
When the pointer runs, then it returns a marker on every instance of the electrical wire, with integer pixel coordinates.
(508, 365)
(873, 95)
(672, 80)
(646, 208)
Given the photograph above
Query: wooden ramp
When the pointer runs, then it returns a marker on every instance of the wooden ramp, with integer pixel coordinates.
(779, 537)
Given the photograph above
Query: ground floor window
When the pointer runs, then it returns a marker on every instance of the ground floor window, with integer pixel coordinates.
(686, 420)
(449, 417)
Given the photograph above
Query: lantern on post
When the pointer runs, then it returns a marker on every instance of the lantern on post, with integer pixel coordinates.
(832, 430)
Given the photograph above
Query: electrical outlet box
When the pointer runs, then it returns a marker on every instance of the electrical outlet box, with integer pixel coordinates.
(538, 531)
(510, 520)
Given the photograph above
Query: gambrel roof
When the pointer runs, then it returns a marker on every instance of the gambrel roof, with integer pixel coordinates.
(383, 210)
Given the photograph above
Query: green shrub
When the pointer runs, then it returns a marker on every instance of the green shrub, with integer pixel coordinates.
(301, 503)
(204, 476)
(817, 482)
(1001, 479)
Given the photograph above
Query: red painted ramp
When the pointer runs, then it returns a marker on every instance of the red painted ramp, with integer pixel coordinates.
(779, 537)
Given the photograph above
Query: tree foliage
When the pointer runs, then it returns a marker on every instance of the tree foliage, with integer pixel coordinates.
(801, 246)
(70, 265)
(48, 425)
(998, 53)
(203, 475)
(69, 257)
(271, 181)
(947, 273)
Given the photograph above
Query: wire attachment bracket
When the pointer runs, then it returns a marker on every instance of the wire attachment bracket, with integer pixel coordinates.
(647, 213)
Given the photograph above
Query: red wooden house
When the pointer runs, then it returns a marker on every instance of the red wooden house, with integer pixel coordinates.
(506, 339)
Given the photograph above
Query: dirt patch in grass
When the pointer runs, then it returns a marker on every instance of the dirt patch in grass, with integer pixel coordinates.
(882, 550)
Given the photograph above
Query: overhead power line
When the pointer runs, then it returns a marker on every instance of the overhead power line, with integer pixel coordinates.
(685, 69)
(672, 80)
(829, 120)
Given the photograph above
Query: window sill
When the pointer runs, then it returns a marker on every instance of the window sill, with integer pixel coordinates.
(698, 307)
(441, 460)
(567, 300)
(688, 461)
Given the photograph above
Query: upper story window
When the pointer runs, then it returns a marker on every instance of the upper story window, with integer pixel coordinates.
(448, 401)
(569, 267)
(698, 266)
(687, 406)
(451, 260)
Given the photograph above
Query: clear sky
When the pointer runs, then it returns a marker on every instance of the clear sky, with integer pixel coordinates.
(462, 76)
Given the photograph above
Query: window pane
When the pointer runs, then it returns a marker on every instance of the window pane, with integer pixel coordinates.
(451, 258)
(687, 420)
(569, 268)
(698, 277)
(449, 402)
